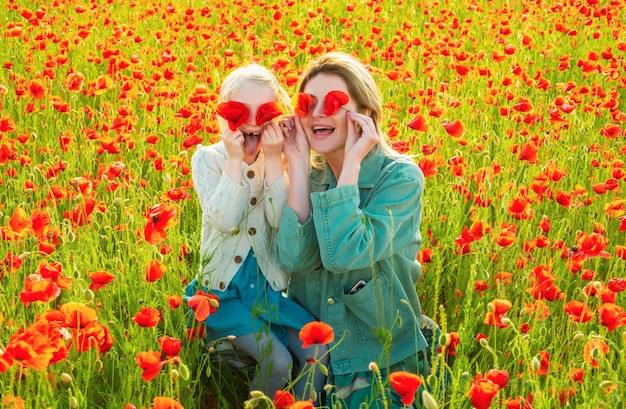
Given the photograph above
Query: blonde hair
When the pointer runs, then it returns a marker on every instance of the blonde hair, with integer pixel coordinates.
(252, 73)
(361, 86)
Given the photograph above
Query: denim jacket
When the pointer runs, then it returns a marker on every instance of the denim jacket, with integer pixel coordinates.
(369, 232)
(236, 217)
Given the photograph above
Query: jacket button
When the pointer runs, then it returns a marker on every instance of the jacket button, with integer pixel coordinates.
(253, 201)
(250, 174)
(238, 259)
(252, 231)
(331, 301)
(222, 285)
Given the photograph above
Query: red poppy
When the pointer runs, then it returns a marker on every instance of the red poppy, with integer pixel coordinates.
(267, 112)
(418, 123)
(37, 288)
(454, 128)
(283, 399)
(406, 385)
(203, 305)
(77, 315)
(174, 301)
(482, 392)
(93, 335)
(163, 402)
(612, 316)
(303, 104)
(593, 349)
(498, 376)
(316, 333)
(497, 309)
(578, 311)
(170, 346)
(155, 270)
(147, 317)
(150, 362)
(334, 101)
(160, 217)
(99, 279)
(234, 112)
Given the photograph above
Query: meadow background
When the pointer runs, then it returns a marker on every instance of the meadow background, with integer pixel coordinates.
(513, 109)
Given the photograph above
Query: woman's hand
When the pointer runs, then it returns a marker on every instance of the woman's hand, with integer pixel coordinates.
(362, 137)
(296, 147)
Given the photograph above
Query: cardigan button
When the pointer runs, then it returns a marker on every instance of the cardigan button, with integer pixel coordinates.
(238, 259)
(222, 285)
(253, 201)
(252, 231)
(331, 301)
(250, 174)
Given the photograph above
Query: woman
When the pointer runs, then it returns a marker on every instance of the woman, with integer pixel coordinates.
(350, 232)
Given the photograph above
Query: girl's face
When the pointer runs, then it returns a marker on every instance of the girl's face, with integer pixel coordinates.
(252, 95)
(326, 134)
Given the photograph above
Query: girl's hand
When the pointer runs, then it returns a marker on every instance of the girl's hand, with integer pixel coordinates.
(233, 142)
(272, 140)
(296, 146)
(362, 136)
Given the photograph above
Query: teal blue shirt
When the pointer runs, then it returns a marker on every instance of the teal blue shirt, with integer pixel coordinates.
(368, 232)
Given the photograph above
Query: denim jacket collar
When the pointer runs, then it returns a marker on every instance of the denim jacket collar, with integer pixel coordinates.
(370, 169)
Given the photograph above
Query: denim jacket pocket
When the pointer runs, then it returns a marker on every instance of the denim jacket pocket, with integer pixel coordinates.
(378, 312)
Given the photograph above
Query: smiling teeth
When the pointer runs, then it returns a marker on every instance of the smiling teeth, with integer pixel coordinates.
(322, 129)
(245, 134)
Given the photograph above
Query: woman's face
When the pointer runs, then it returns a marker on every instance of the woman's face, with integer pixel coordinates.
(326, 134)
(252, 95)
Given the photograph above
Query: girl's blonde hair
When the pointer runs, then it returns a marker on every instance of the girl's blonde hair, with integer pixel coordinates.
(361, 86)
(252, 73)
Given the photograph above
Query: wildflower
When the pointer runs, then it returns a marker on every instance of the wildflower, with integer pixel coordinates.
(154, 271)
(147, 317)
(174, 301)
(302, 104)
(170, 346)
(163, 402)
(612, 316)
(406, 385)
(541, 363)
(203, 304)
(578, 311)
(99, 279)
(77, 315)
(234, 112)
(497, 309)
(418, 123)
(267, 112)
(454, 128)
(316, 332)
(334, 101)
(160, 217)
(37, 288)
(150, 362)
(498, 376)
(482, 392)
(283, 399)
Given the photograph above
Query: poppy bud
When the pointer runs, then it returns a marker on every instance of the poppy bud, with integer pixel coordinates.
(506, 321)
(373, 367)
(578, 336)
(536, 363)
(323, 369)
(184, 371)
(73, 402)
(491, 308)
(67, 378)
(484, 343)
(175, 374)
(88, 295)
(256, 394)
(428, 400)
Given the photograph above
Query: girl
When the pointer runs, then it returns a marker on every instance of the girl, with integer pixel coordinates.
(351, 231)
(242, 191)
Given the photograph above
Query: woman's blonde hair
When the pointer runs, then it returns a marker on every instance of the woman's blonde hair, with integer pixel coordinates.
(252, 73)
(361, 86)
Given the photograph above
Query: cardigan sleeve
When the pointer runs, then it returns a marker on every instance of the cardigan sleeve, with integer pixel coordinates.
(223, 201)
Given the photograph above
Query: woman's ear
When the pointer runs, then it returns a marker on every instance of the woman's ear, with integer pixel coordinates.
(367, 112)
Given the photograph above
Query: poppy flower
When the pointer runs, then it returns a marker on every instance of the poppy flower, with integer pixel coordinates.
(496, 310)
(160, 217)
(316, 333)
(498, 376)
(99, 279)
(155, 270)
(303, 104)
(203, 305)
(454, 128)
(37, 288)
(174, 301)
(612, 316)
(418, 123)
(593, 349)
(147, 317)
(303, 404)
(406, 385)
(150, 362)
(283, 399)
(578, 311)
(234, 112)
(334, 101)
(267, 112)
(170, 346)
(163, 402)
(482, 392)
(77, 315)
(93, 335)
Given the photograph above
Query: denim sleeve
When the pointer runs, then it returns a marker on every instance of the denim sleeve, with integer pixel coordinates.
(355, 232)
(298, 251)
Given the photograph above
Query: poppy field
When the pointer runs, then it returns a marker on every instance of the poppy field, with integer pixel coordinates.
(514, 110)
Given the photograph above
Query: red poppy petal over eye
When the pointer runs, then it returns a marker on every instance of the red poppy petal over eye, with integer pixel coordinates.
(303, 104)
(267, 112)
(334, 101)
(234, 112)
